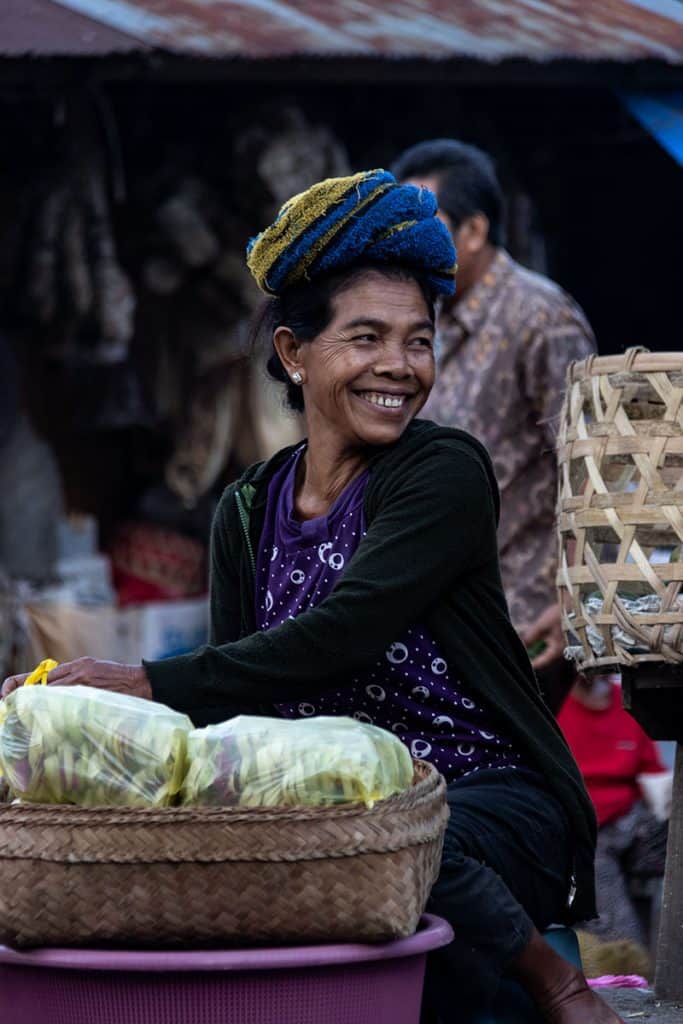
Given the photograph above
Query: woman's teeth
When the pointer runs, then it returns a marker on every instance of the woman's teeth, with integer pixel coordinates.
(386, 401)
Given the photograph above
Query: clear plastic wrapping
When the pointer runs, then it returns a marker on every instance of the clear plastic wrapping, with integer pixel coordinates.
(81, 745)
(648, 604)
(274, 762)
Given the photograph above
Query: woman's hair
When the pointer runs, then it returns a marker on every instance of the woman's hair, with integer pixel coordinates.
(306, 309)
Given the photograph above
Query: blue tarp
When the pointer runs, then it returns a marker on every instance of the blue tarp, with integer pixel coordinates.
(661, 114)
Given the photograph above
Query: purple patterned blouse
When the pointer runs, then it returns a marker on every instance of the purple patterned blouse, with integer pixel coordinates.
(411, 690)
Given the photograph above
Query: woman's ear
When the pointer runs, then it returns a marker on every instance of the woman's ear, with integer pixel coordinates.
(289, 351)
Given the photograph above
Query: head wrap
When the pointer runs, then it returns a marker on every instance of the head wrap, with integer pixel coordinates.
(366, 217)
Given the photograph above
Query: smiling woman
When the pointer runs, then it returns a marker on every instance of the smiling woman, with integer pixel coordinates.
(359, 344)
(357, 574)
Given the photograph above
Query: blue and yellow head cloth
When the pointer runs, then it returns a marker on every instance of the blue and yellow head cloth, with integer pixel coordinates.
(342, 221)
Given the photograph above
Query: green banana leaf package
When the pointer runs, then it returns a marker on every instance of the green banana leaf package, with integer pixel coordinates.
(275, 762)
(81, 745)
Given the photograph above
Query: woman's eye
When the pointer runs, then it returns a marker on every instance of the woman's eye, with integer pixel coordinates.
(423, 342)
(365, 337)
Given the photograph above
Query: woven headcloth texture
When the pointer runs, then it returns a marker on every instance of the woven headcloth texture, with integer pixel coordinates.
(366, 217)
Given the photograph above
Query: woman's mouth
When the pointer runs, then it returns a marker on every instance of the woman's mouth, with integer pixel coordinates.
(382, 399)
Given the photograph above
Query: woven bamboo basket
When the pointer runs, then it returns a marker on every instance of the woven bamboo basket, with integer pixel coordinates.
(620, 509)
(181, 877)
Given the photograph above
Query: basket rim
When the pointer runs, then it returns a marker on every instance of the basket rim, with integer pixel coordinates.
(426, 781)
(642, 362)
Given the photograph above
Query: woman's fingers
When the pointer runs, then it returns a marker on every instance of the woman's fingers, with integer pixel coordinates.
(13, 683)
(106, 675)
(73, 673)
(70, 673)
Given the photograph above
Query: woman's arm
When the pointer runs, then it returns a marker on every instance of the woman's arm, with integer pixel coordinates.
(434, 526)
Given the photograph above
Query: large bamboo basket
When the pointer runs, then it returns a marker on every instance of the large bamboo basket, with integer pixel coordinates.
(183, 877)
(620, 450)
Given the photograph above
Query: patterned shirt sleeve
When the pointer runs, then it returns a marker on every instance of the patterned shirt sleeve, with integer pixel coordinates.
(559, 336)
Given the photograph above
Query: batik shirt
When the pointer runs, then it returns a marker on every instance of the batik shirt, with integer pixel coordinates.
(504, 350)
(410, 690)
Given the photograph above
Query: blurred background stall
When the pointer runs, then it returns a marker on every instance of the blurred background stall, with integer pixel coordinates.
(146, 142)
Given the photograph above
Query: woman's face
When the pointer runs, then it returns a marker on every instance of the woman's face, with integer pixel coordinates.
(371, 370)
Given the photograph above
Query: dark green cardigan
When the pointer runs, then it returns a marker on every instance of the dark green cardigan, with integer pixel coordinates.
(429, 555)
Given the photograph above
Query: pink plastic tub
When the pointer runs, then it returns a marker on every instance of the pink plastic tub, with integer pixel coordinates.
(343, 984)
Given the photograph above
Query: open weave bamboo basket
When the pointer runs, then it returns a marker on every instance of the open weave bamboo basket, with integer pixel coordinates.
(73, 876)
(620, 451)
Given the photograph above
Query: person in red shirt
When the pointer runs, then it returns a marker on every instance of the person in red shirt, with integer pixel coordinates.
(614, 754)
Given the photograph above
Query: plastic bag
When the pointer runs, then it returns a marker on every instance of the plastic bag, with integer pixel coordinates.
(81, 745)
(275, 762)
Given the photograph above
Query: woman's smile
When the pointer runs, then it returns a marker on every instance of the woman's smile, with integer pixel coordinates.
(384, 402)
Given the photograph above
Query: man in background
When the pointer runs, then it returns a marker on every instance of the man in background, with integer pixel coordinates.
(505, 341)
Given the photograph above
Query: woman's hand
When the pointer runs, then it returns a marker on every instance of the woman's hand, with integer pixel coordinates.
(105, 675)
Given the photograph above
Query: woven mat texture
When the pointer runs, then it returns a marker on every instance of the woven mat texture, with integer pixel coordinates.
(180, 876)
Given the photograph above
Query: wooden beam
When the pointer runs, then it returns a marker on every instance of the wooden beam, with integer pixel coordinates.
(669, 969)
(162, 66)
(653, 693)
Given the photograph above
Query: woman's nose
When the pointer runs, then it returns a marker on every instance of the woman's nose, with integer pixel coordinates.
(393, 361)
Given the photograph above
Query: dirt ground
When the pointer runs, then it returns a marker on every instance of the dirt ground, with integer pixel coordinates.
(639, 1005)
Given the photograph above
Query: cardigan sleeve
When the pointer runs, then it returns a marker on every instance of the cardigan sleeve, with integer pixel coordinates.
(224, 587)
(435, 523)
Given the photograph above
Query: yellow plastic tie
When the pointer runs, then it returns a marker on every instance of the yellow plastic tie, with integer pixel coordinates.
(39, 674)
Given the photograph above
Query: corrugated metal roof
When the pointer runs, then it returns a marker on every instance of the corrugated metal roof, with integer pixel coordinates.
(488, 30)
(43, 28)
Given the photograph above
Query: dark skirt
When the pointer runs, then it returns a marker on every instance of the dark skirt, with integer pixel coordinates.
(507, 866)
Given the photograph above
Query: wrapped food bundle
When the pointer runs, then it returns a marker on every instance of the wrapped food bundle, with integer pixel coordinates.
(273, 762)
(81, 745)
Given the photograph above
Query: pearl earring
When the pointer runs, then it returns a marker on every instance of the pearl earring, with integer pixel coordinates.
(297, 378)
